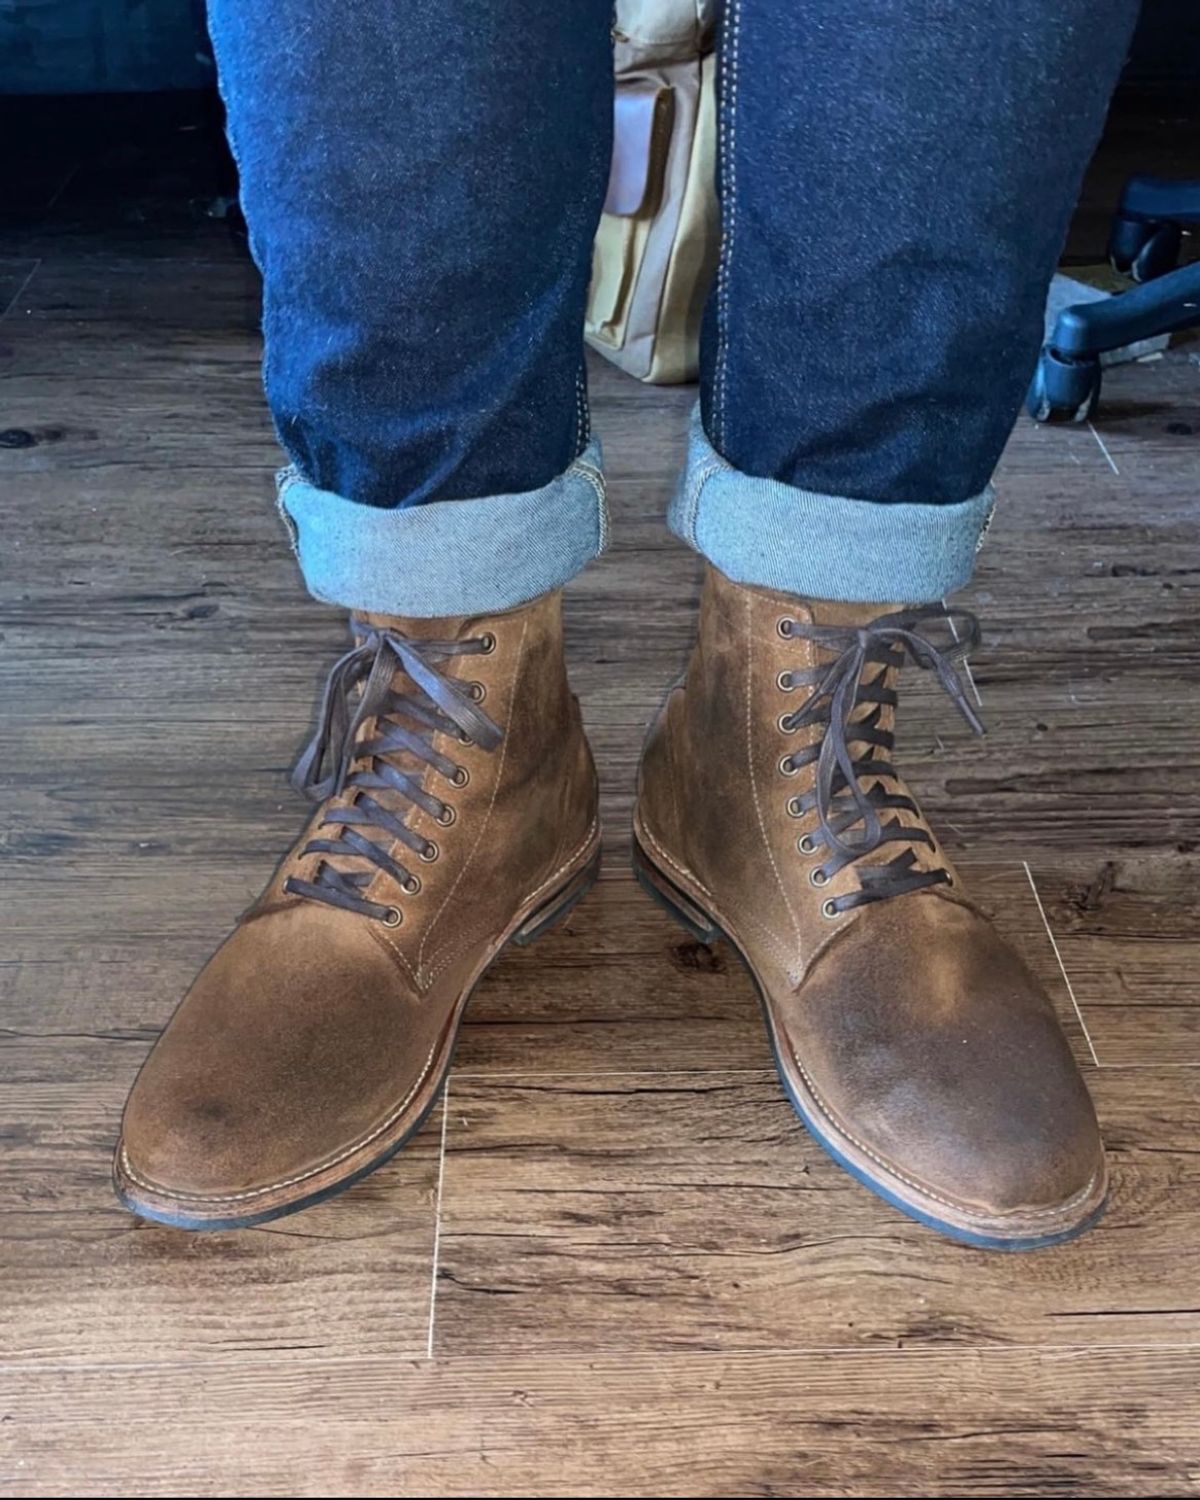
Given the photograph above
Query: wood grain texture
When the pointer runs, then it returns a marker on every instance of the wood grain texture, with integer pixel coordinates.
(622, 1268)
(993, 1422)
(691, 1211)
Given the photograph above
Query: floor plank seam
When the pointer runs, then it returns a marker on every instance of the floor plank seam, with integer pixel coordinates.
(1103, 448)
(22, 289)
(1061, 966)
(437, 1220)
(766, 1071)
(594, 1353)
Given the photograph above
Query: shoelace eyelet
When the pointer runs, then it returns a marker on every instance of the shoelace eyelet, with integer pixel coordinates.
(784, 682)
(785, 724)
(818, 877)
(805, 844)
(794, 810)
(788, 766)
(785, 627)
(364, 685)
(461, 776)
(829, 910)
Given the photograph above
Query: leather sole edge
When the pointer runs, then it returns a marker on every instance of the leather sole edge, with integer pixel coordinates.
(179, 1213)
(688, 911)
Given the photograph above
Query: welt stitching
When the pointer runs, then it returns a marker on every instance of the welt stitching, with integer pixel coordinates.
(819, 1100)
(670, 757)
(1033, 1213)
(301, 1176)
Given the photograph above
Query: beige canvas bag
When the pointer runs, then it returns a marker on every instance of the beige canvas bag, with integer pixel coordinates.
(656, 248)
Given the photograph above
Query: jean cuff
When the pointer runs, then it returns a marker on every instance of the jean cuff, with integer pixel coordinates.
(447, 557)
(778, 536)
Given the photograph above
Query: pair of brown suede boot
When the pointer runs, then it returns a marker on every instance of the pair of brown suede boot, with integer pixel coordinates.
(458, 813)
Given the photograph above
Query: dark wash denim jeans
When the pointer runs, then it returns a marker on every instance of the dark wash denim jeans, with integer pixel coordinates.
(422, 183)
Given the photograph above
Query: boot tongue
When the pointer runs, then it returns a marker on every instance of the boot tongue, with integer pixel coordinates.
(417, 629)
(437, 628)
(833, 612)
(443, 628)
(853, 616)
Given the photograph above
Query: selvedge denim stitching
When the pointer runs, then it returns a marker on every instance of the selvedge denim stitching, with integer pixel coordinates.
(727, 107)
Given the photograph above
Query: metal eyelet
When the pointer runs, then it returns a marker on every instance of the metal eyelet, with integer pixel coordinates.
(805, 844)
(477, 691)
(392, 917)
(788, 766)
(784, 627)
(430, 852)
(464, 738)
(794, 810)
(461, 776)
(487, 643)
(784, 682)
(785, 725)
(818, 877)
(411, 886)
(829, 910)
(447, 815)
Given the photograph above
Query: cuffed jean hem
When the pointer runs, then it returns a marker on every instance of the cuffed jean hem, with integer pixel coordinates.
(777, 536)
(448, 557)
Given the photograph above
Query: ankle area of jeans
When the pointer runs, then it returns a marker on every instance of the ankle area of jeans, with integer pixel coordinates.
(448, 557)
(777, 536)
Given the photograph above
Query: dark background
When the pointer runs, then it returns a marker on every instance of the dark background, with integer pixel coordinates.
(109, 115)
(113, 46)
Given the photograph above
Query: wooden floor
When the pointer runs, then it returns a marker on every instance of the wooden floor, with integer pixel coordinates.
(612, 1262)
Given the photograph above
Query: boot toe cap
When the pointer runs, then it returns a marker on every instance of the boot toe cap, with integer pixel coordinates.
(272, 1086)
(946, 1079)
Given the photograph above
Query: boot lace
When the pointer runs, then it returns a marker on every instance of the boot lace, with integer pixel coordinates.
(336, 761)
(848, 816)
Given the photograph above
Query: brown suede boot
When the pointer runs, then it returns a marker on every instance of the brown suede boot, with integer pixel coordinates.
(914, 1043)
(458, 813)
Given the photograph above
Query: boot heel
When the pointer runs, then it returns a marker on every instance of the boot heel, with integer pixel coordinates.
(672, 899)
(559, 905)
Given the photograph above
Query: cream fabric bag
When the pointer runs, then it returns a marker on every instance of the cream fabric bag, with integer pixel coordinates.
(656, 247)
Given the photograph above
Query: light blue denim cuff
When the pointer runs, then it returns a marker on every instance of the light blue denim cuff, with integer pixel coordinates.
(449, 557)
(764, 532)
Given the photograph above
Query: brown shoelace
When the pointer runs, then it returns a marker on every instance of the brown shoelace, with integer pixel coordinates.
(406, 723)
(839, 689)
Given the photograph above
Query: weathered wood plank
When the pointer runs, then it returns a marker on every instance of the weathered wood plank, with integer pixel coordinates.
(692, 1211)
(84, 1281)
(964, 1422)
